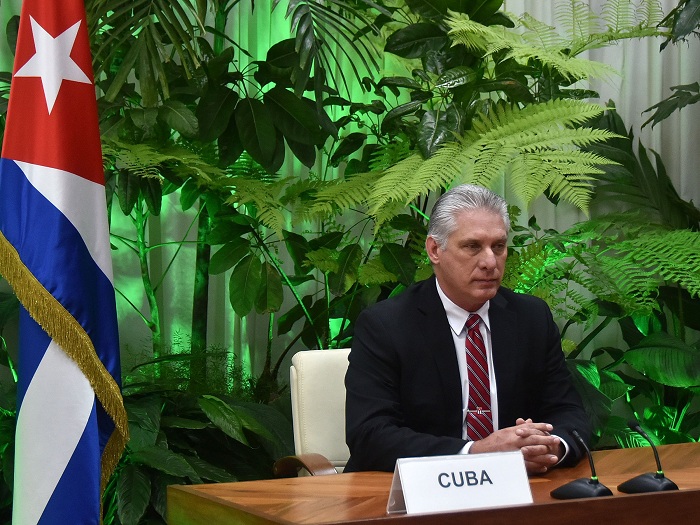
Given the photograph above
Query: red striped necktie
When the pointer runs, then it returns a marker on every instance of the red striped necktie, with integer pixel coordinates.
(479, 422)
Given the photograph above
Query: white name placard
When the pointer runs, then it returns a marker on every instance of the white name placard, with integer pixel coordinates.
(460, 482)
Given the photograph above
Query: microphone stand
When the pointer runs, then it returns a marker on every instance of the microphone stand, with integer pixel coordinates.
(583, 487)
(651, 482)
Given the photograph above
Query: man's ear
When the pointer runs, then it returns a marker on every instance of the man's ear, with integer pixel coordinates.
(433, 250)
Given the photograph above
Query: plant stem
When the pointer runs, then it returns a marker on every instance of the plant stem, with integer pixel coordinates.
(285, 277)
(140, 221)
(200, 304)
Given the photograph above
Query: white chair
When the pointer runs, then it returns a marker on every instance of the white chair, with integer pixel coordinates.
(317, 385)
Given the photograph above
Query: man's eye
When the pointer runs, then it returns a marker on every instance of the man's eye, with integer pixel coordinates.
(499, 248)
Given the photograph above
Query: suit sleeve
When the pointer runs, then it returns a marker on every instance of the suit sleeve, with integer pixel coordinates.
(557, 401)
(385, 419)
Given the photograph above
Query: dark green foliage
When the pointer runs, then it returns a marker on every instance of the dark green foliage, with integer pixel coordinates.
(191, 433)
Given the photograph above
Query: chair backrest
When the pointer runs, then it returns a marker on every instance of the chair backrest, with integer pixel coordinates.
(317, 384)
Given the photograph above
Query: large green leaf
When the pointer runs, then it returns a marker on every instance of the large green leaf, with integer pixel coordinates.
(206, 470)
(478, 10)
(586, 379)
(133, 494)
(434, 131)
(214, 112)
(269, 423)
(256, 130)
(327, 240)
(270, 294)
(229, 229)
(152, 191)
(612, 385)
(394, 83)
(429, 9)
(244, 284)
(189, 193)
(417, 40)
(688, 19)
(397, 259)
(164, 460)
(179, 117)
(229, 255)
(305, 153)
(666, 360)
(223, 416)
(297, 248)
(457, 76)
(230, 145)
(144, 421)
(127, 191)
(291, 316)
(409, 108)
(282, 55)
(348, 145)
(682, 96)
(294, 117)
(682, 304)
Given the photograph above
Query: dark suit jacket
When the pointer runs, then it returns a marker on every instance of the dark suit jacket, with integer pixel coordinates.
(404, 397)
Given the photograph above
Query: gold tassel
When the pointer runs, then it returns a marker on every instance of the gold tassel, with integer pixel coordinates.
(63, 328)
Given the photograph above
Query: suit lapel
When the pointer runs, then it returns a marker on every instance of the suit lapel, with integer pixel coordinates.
(435, 333)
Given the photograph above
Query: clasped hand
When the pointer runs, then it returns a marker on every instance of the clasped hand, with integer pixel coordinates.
(540, 449)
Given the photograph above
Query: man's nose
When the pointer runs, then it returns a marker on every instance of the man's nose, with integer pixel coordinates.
(488, 259)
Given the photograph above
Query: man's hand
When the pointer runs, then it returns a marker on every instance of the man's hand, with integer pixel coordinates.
(540, 450)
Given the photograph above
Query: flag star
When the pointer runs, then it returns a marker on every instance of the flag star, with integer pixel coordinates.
(52, 61)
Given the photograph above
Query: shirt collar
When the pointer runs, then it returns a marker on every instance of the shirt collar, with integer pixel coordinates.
(457, 316)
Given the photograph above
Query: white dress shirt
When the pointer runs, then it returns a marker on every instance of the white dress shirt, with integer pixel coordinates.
(457, 319)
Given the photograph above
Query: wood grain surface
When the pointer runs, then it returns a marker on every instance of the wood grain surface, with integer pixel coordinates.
(360, 498)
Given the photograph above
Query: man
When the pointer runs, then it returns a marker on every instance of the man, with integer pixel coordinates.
(408, 389)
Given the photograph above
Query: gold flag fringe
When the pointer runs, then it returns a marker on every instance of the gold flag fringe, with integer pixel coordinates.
(63, 328)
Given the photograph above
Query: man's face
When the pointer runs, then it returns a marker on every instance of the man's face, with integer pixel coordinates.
(470, 268)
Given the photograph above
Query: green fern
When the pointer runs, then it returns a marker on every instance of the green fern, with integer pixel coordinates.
(341, 195)
(514, 141)
(619, 20)
(671, 257)
(544, 47)
(325, 259)
(373, 273)
(145, 161)
(265, 196)
(582, 30)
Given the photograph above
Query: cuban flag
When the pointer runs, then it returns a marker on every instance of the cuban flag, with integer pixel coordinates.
(55, 252)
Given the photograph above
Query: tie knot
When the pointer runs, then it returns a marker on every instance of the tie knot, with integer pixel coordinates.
(473, 321)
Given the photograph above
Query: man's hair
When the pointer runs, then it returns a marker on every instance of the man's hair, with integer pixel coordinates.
(461, 198)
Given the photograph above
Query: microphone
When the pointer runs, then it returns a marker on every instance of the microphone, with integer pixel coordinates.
(583, 487)
(651, 482)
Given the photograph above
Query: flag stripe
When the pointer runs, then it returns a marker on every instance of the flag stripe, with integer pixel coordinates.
(55, 409)
(70, 194)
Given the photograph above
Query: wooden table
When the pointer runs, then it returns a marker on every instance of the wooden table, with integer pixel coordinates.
(360, 498)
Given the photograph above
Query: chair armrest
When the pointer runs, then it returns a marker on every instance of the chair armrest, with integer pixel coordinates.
(315, 464)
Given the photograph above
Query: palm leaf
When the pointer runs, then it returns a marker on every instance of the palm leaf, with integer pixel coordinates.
(318, 25)
(142, 26)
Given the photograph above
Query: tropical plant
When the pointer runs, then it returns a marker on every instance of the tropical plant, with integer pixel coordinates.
(635, 264)
(464, 122)
(183, 433)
